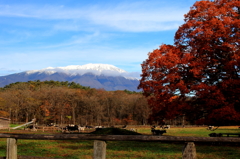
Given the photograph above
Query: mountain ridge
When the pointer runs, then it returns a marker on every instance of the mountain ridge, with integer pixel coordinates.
(96, 76)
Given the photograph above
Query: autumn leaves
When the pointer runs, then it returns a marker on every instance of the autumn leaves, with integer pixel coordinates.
(198, 68)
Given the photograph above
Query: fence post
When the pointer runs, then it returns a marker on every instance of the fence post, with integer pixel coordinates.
(99, 149)
(189, 151)
(11, 148)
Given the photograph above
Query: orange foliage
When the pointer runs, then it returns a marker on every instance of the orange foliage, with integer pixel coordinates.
(4, 114)
(204, 64)
(128, 120)
(117, 121)
(46, 111)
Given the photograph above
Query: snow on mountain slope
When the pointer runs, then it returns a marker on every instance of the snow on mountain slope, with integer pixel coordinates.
(96, 76)
(97, 69)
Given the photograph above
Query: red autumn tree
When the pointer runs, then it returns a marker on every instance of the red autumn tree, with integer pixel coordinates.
(202, 68)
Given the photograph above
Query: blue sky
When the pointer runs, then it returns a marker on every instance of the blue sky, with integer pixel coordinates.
(41, 33)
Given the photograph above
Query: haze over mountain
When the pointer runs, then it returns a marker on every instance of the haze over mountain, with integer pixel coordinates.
(105, 76)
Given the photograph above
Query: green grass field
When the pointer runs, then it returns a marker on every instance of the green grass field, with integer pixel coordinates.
(129, 149)
(194, 131)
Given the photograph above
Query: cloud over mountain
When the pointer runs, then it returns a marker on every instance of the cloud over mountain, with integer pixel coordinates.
(97, 76)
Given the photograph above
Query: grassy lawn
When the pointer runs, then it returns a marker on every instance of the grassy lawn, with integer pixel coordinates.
(129, 149)
(194, 131)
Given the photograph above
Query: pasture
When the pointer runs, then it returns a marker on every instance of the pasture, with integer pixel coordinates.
(127, 149)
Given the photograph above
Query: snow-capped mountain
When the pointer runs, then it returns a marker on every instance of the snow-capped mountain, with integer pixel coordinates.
(104, 76)
(97, 69)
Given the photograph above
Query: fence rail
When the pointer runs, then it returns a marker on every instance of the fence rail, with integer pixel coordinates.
(121, 137)
(100, 145)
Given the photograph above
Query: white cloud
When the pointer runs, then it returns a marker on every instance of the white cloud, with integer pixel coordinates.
(125, 59)
(38, 36)
(136, 17)
(75, 40)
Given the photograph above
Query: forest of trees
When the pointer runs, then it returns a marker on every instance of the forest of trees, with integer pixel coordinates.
(70, 103)
(65, 103)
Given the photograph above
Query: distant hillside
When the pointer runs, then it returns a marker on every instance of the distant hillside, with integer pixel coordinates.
(104, 76)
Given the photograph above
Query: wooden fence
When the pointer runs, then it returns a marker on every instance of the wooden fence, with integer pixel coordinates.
(99, 146)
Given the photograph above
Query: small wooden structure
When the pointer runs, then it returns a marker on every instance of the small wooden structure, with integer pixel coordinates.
(4, 123)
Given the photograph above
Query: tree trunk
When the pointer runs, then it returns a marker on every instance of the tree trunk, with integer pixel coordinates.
(73, 115)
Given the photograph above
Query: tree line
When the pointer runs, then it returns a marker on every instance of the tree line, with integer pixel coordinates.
(70, 103)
